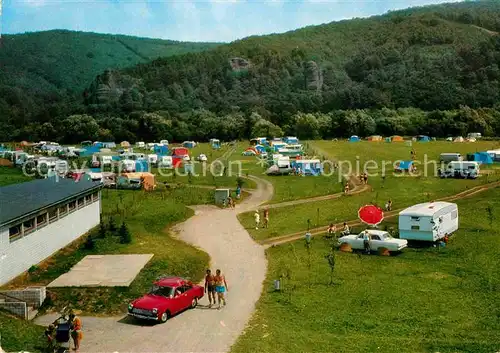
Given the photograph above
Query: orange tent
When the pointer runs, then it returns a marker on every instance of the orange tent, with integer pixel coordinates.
(397, 139)
(148, 179)
(374, 138)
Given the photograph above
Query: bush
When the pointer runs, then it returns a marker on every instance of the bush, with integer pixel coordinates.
(89, 243)
(124, 234)
(102, 231)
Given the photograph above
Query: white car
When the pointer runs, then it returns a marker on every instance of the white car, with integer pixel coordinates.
(378, 239)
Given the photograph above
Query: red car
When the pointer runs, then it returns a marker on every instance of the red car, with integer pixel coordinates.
(168, 296)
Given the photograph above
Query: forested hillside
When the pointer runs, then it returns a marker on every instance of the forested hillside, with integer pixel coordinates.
(42, 72)
(357, 76)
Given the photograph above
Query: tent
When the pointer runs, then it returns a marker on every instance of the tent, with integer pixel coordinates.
(189, 144)
(404, 166)
(459, 139)
(260, 148)
(160, 150)
(397, 138)
(125, 144)
(180, 151)
(481, 157)
(354, 138)
(250, 151)
(374, 138)
(423, 138)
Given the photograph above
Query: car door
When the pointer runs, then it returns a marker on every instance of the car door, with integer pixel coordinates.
(375, 242)
(178, 301)
(357, 243)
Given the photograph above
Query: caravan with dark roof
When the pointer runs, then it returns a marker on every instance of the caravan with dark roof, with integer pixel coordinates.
(40, 217)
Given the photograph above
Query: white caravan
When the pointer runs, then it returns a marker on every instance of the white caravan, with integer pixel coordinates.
(428, 221)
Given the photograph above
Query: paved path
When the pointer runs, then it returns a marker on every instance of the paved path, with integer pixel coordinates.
(218, 232)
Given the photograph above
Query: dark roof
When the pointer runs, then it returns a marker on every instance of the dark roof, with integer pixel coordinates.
(22, 199)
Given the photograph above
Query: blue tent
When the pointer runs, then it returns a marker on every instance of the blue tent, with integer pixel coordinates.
(483, 157)
(260, 148)
(423, 138)
(161, 150)
(141, 165)
(354, 138)
(404, 166)
(189, 144)
(88, 151)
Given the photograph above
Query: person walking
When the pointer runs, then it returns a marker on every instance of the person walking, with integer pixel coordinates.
(210, 287)
(220, 287)
(389, 205)
(256, 217)
(238, 192)
(76, 330)
(346, 188)
(266, 218)
(365, 178)
(366, 241)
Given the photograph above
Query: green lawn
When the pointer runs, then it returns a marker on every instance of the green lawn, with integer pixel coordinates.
(19, 335)
(148, 214)
(209, 173)
(404, 190)
(424, 300)
(286, 187)
(9, 175)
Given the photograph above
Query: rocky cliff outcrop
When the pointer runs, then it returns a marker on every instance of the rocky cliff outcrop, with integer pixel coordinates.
(313, 76)
(239, 64)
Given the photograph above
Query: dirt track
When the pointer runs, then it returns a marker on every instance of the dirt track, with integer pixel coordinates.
(218, 232)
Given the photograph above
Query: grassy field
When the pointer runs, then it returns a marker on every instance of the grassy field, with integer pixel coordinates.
(286, 188)
(148, 215)
(209, 173)
(10, 175)
(403, 190)
(424, 300)
(20, 335)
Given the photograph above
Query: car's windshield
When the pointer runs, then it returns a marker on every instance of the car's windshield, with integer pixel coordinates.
(160, 290)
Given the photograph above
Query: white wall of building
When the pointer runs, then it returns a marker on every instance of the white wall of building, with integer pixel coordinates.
(20, 255)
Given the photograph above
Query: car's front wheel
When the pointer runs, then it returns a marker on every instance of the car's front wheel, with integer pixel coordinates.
(194, 303)
(164, 317)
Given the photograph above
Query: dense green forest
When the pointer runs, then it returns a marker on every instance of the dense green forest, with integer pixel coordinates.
(432, 70)
(43, 74)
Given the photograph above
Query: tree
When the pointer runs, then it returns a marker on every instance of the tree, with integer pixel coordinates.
(264, 127)
(124, 234)
(112, 225)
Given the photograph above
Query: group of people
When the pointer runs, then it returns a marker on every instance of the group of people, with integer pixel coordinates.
(363, 178)
(216, 284)
(332, 230)
(256, 217)
(75, 327)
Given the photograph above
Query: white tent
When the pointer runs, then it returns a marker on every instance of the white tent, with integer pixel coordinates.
(459, 139)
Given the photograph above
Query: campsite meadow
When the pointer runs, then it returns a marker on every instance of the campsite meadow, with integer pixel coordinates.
(423, 300)
(403, 189)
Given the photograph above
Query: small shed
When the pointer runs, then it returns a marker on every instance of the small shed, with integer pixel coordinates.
(125, 144)
(221, 195)
(354, 138)
(397, 138)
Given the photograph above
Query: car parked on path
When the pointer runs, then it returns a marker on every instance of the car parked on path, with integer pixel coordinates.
(167, 297)
(378, 239)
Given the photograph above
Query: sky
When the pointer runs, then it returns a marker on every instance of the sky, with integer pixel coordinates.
(187, 20)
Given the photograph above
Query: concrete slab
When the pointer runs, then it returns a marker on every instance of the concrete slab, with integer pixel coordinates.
(103, 271)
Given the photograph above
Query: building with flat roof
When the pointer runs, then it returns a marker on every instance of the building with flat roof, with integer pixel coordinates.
(40, 217)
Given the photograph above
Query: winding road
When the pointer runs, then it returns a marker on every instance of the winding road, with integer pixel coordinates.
(218, 232)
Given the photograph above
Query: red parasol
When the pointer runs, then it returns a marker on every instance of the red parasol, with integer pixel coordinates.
(371, 214)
